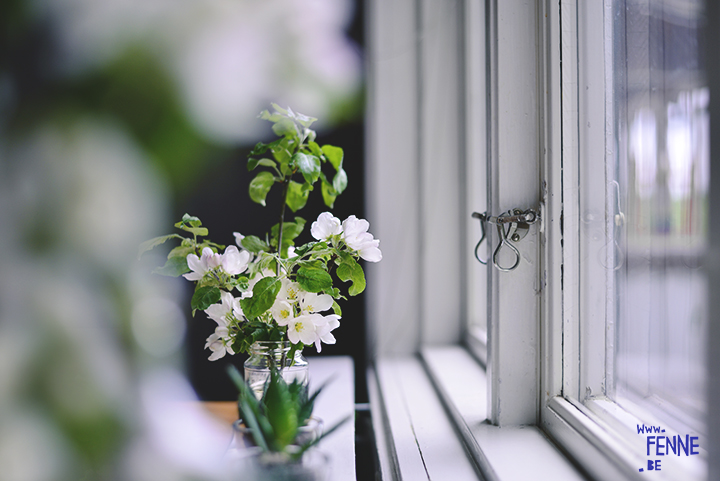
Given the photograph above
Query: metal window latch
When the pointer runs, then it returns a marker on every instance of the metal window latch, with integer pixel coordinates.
(512, 226)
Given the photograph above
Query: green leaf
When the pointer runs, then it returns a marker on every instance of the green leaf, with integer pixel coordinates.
(309, 134)
(315, 149)
(307, 404)
(154, 242)
(279, 109)
(350, 270)
(297, 196)
(285, 127)
(280, 410)
(300, 251)
(264, 294)
(192, 224)
(336, 309)
(205, 297)
(328, 194)
(272, 117)
(298, 454)
(308, 165)
(290, 230)
(305, 120)
(252, 163)
(260, 186)
(280, 150)
(200, 231)
(334, 155)
(254, 244)
(212, 245)
(340, 181)
(313, 279)
(174, 267)
(190, 220)
(181, 251)
(259, 149)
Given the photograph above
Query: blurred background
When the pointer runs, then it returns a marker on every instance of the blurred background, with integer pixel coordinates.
(116, 118)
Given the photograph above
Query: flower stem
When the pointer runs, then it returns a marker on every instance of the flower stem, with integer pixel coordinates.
(286, 187)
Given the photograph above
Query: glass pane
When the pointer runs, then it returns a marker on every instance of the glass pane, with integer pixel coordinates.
(656, 198)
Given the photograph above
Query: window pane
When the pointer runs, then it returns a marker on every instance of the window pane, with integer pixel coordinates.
(656, 198)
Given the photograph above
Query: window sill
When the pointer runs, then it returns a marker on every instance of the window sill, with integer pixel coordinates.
(429, 416)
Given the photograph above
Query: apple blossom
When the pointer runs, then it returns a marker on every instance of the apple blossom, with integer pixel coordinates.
(356, 236)
(302, 329)
(323, 326)
(219, 346)
(289, 290)
(311, 302)
(220, 312)
(325, 226)
(201, 265)
(282, 312)
(234, 261)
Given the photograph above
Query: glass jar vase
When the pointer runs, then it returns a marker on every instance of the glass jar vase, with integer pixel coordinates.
(266, 355)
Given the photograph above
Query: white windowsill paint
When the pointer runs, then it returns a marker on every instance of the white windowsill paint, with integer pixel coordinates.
(434, 426)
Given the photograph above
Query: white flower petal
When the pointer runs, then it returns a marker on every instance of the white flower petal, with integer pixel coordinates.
(193, 276)
(311, 302)
(219, 312)
(282, 312)
(293, 336)
(371, 253)
(325, 226)
(328, 338)
(198, 267)
(219, 354)
(235, 262)
(210, 258)
(289, 290)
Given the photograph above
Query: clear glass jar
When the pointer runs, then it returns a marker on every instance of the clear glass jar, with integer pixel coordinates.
(265, 355)
(254, 464)
(243, 437)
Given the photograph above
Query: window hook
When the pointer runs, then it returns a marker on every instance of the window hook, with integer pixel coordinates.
(483, 219)
(504, 241)
(518, 223)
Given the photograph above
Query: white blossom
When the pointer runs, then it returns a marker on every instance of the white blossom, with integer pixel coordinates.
(302, 329)
(219, 344)
(356, 236)
(311, 302)
(325, 226)
(282, 312)
(289, 291)
(200, 266)
(323, 326)
(220, 312)
(235, 262)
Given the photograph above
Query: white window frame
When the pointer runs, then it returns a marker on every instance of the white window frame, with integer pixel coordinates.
(575, 411)
(418, 298)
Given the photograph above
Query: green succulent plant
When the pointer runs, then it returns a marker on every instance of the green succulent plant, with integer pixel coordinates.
(275, 420)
